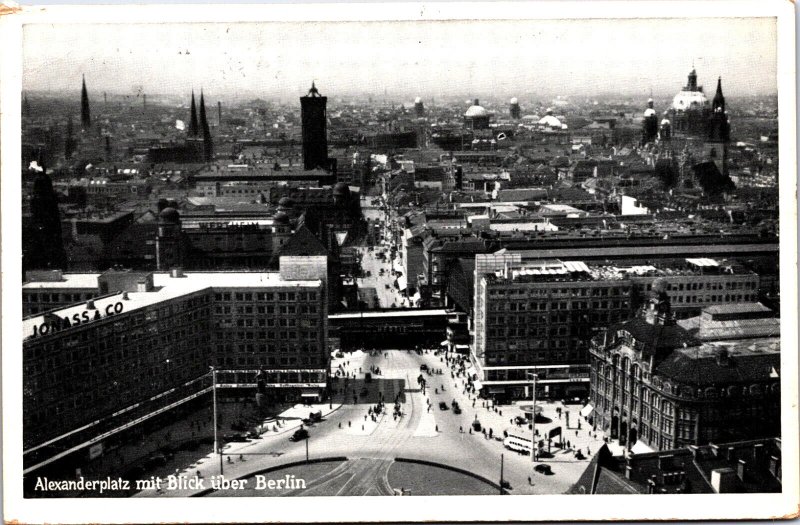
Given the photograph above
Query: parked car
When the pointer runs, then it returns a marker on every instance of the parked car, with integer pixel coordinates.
(543, 468)
(456, 409)
(442, 405)
(299, 435)
(423, 367)
(339, 355)
(156, 460)
(235, 438)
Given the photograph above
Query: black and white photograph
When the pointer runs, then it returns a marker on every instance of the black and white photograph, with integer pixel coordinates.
(405, 250)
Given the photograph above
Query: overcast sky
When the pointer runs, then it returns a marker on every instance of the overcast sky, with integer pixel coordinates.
(428, 59)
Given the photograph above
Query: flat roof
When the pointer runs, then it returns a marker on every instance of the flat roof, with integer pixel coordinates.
(69, 280)
(388, 313)
(167, 287)
(736, 308)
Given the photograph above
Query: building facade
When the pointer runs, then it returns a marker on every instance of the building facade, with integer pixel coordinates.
(653, 381)
(126, 356)
(539, 318)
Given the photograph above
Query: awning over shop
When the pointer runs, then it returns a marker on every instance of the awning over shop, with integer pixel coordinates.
(471, 371)
(402, 282)
(462, 348)
(496, 390)
(309, 394)
(398, 266)
(585, 411)
(444, 343)
(477, 384)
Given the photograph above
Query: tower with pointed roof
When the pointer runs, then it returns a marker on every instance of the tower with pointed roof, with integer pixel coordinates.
(719, 132)
(208, 146)
(86, 118)
(194, 129)
(313, 114)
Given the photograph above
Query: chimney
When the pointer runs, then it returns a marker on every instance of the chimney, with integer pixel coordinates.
(90, 304)
(141, 286)
(723, 480)
(628, 471)
(176, 272)
(741, 469)
(775, 466)
(758, 455)
(125, 296)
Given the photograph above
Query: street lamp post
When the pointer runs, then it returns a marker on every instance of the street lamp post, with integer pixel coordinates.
(216, 442)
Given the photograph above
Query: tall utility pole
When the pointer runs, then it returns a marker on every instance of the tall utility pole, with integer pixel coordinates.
(501, 474)
(533, 418)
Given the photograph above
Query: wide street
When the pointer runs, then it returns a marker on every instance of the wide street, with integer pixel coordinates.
(421, 433)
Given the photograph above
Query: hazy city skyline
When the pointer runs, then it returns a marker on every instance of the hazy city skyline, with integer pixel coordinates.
(527, 58)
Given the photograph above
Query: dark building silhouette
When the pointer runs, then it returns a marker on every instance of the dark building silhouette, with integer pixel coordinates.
(86, 119)
(194, 128)
(514, 109)
(315, 139)
(419, 107)
(69, 142)
(26, 107)
(649, 124)
(208, 146)
(45, 248)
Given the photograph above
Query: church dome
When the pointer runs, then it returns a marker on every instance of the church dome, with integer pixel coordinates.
(418, 100)
(476, 110)
(169, 214)
(340, 189)
(649, 112)
(689, 100)
(514, 101)
(550, 121)
(281, 218)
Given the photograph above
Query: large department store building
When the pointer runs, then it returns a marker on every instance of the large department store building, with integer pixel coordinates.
(104, 364)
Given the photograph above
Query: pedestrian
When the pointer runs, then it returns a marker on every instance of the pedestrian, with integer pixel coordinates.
(437, 428)
(529, 481)
(576, 433)
(340, 424)
(349, 424)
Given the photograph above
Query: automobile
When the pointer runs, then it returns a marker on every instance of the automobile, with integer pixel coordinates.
(542, 468)
(156, 460)
(519, 420)
(235, 438)
(442, 405)
(339, 355)
(456, 409)
(369, 273)
(253, 434)
(476, 426)
(423, 367)
(299, 435)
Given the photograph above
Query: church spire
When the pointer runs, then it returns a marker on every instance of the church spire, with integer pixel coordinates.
(194, 130)
(208, 148)
(719, 100)
(86, 119)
